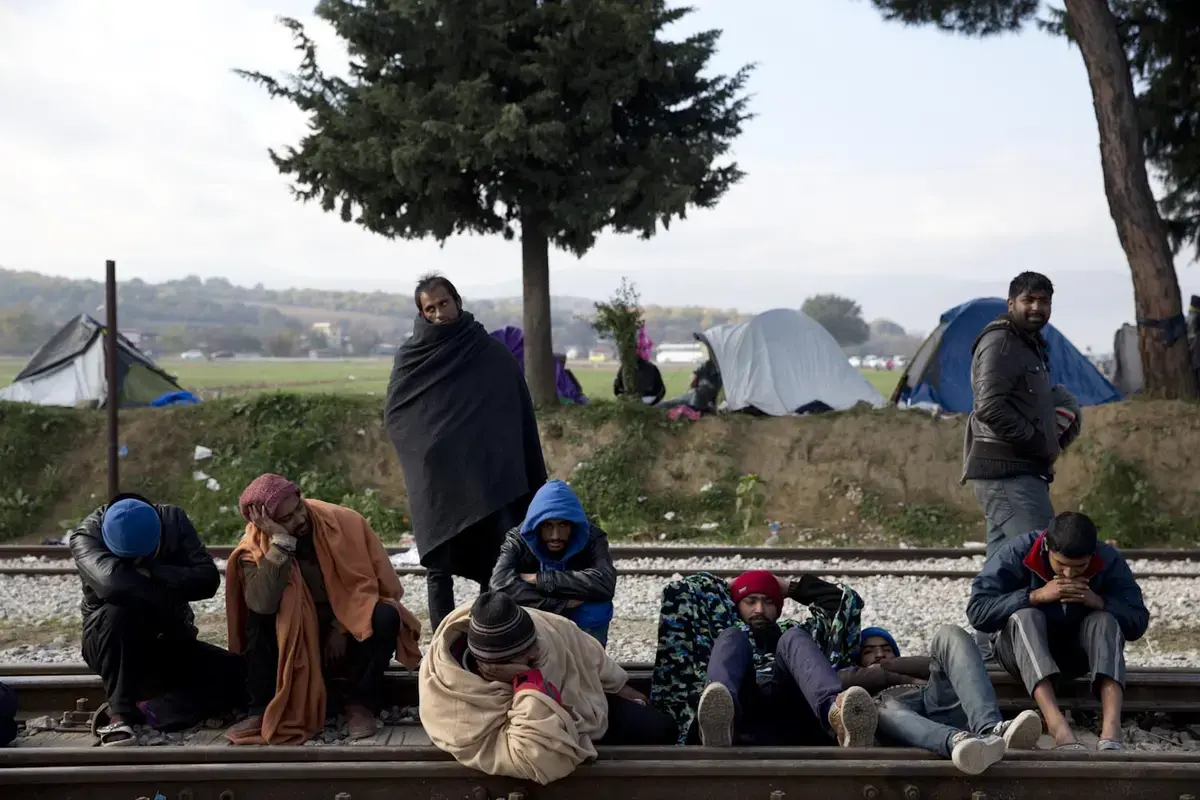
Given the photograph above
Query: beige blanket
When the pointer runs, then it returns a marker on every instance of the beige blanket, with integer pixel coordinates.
(530, 736)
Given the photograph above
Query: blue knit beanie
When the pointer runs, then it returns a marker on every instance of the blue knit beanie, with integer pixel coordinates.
(867, 633)
(131, 529)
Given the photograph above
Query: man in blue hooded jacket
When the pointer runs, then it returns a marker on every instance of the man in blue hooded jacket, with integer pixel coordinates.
(1060, 604)
(558, 561)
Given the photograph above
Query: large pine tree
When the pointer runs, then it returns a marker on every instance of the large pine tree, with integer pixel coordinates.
(1095, 29)
(557, 118)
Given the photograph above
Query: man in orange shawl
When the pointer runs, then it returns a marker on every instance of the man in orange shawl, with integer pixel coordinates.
(309, 591)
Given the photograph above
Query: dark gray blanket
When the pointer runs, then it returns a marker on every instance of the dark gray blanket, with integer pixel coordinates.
(459, 415)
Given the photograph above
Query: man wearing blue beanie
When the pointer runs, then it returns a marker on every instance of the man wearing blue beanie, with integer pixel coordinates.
(943, 703)
(141, 565)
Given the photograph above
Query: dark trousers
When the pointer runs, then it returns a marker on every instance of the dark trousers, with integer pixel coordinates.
(8, 715)
(364, 665)
(791, 707)
(631, 723)
(472, 554)
(138, 653)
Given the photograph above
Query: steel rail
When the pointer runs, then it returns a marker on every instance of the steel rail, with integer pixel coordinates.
(830, 571)
(1177, 692)
(708, 551)
(340, 753)
(878, 778)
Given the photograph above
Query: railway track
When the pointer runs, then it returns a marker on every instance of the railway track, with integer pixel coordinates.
(709, 551)
(828, 561)
(652, 773)
(43, 691)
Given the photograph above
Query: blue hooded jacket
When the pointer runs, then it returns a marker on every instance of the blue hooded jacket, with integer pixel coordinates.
(583, 571)
(1021, 565)
(555, 500)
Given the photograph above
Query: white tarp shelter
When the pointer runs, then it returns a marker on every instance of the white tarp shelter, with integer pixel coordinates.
(783, 360)
(69, 370)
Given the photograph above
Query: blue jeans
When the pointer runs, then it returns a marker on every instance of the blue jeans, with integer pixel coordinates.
(958, 697)
(600, 634)
(789, 708)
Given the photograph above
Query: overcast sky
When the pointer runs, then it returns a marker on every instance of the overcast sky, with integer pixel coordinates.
(908, 168)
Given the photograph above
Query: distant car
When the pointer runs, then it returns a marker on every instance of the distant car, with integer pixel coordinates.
(222, 354)
(856, 362)
(192, 355)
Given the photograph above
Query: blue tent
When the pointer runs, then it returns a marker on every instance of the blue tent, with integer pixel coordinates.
(940, 373)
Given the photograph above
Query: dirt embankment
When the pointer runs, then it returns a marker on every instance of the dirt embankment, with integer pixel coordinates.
(821, 473)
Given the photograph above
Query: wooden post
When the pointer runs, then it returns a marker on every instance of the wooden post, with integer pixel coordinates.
(111, 398)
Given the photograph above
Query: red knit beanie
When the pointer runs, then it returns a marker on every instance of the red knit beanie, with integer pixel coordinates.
(757, 581)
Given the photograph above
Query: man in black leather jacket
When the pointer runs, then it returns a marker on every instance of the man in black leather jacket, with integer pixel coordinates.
(557, 561)
(1013, 434)
(141, 565)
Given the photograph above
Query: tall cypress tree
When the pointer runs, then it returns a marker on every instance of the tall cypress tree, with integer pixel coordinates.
(557, 119)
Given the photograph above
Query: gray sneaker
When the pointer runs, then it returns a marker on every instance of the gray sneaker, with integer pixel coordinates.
(853, 718)
(973, 754)
(1021, 732)
(714, 716)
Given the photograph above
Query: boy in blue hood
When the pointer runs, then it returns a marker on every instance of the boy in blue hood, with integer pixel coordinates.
(558, 561)
(943, 703)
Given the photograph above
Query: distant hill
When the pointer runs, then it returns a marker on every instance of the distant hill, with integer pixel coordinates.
(214, 314)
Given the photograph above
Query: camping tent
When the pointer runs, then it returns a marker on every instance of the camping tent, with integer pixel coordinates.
(69, 370)
(782, 361)
(940, 374)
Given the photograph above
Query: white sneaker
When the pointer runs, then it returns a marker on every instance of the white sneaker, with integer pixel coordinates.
(973, 754)
(714, 716)
(1022, 732)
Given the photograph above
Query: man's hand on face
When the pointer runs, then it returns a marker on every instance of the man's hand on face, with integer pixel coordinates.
(574, 603)
(1059, 590)
(529, 577)
(260, 520)
(1082, 594)
(502, 673)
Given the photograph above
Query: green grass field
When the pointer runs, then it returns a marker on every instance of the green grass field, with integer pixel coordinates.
(367, 376)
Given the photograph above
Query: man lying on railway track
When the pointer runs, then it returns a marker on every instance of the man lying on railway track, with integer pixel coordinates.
(729, 636)
(943, 702)
(527, 694)
(141, 565)
(557, 561)
(310, 594)
(1059, 604)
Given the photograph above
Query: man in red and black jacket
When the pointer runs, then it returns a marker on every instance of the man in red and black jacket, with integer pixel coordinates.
(1060, 604)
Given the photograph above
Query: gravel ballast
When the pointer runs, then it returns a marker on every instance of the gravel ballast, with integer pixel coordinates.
(910, 607)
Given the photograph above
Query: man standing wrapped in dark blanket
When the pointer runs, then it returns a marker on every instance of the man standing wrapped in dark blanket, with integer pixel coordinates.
(460, 417)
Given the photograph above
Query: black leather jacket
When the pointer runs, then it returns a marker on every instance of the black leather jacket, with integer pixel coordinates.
(589, 575)
(1012, 428)
(181, 571)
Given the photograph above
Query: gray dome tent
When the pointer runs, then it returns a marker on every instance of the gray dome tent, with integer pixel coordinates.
(68, 370)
